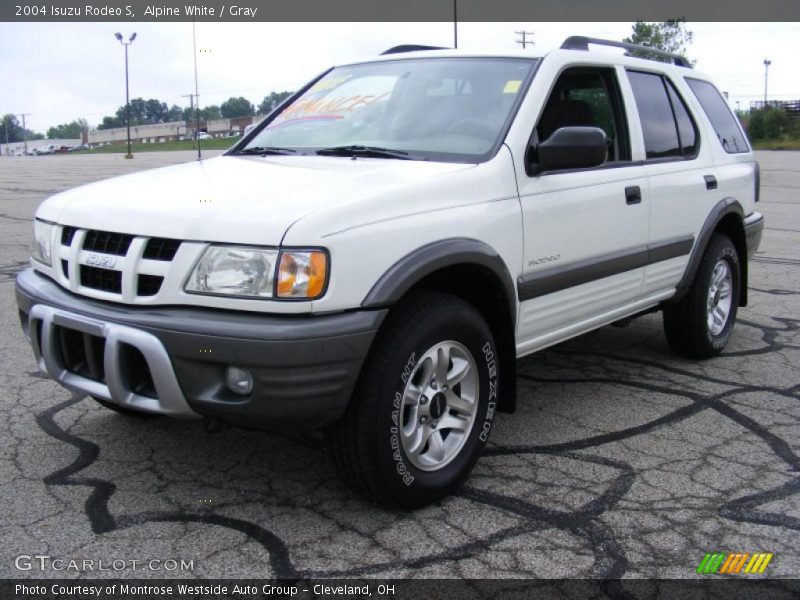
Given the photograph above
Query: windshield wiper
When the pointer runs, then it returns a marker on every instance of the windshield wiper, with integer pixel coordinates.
(265, 150)
(367, 152)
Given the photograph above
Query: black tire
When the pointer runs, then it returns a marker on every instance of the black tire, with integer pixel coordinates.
(365, 444)
(122, 410)
(685, 322)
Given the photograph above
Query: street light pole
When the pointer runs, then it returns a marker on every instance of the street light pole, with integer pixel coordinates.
(767, 63)
(127, 95)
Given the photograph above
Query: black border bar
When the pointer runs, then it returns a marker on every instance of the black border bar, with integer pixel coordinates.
(391, 10)
(710, 586)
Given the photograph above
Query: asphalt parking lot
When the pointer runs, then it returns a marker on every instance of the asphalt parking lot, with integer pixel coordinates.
(622, 460)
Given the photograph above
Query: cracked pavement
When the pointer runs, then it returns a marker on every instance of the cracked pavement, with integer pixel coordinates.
(622, 460)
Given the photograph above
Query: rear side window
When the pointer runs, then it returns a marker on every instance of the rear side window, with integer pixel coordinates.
(668, 129)
(722, 120)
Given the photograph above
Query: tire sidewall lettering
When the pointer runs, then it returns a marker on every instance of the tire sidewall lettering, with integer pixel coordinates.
(394, 430)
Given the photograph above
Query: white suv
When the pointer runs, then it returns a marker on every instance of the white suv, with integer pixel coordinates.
(373, 257)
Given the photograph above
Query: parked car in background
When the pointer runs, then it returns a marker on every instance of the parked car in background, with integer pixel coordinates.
(203, 136)
(232, 134)
(79, 148)
(62, 149)
(50, 149)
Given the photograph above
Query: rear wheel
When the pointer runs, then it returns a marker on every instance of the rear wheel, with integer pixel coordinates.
(424, 406)
(700, 325)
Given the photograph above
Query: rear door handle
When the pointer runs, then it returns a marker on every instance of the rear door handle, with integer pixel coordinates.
(633, 194)
(711, 182)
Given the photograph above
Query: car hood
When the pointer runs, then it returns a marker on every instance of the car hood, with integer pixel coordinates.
(237, 199)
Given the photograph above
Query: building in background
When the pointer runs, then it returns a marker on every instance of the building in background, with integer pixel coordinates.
(157, 133)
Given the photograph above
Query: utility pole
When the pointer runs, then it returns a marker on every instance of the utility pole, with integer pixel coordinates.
(455, 23)
(767, 63)
(5, 122)
(525, 41)
(127, 95)
(24, 130)
(196, 93)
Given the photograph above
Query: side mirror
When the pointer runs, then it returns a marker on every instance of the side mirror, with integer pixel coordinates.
(572, 148)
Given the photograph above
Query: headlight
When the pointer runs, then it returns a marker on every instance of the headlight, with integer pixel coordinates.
(302, 274)
(42, 241)
(234, 271)
(248, 271)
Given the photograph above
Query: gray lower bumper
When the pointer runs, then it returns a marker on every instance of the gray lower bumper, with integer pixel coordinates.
(304, 367)
(753, 228)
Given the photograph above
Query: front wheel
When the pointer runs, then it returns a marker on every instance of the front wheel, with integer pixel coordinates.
(700, 324)
(424, 408)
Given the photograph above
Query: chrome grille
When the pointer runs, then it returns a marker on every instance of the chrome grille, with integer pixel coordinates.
(113, 266)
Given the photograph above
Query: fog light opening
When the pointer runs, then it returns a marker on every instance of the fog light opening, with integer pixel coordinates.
(239, 381)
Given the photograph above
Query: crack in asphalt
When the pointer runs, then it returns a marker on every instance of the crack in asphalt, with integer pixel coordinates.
(585, 522)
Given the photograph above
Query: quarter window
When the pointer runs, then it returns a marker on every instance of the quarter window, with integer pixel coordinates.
(728, 132)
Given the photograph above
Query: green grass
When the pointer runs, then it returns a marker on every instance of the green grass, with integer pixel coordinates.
(785, 144)
(213, 144)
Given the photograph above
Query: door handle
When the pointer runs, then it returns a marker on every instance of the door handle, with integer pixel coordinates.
(711, 182)
(633, 194)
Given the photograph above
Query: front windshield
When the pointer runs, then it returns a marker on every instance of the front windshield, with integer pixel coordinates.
(429, 108)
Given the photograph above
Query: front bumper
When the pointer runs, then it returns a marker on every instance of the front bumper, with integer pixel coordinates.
(172, 360)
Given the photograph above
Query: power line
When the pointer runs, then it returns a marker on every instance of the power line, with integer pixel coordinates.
(525, 41)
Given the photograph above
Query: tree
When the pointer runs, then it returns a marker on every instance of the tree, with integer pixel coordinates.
(669, 36)
(270, 102)
(209, 113)
(155, 111)
(69, 131)
(111, 123)
(776, 124)
(237, 107)
(15, 131)
(175, 113)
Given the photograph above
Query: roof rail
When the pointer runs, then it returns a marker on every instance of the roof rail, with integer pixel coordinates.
(579, 42)
(410, 48)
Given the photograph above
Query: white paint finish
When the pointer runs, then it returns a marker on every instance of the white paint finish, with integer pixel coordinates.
(369, 213)
(236, 199)
(577, 328)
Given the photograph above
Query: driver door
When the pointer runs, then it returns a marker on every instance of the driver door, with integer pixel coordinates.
(586, 230)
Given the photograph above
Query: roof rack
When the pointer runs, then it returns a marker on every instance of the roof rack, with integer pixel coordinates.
(410, 48)
(579, 42)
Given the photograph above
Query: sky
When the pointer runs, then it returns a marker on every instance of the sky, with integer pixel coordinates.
(58, 72)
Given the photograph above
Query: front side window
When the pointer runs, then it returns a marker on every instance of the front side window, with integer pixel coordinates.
(587, 97)
(728, 132)
(430, 108)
